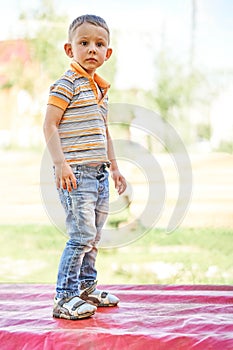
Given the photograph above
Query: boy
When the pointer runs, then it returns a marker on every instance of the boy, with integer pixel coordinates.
(80, 145)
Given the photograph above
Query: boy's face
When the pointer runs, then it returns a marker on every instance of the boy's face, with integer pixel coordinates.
(89, 47)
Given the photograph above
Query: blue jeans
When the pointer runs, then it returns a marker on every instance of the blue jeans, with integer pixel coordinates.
(86, 211)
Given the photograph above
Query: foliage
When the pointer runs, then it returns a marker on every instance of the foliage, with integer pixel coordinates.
(204, 131)
(185, 256)
(226, 146)
(176, 86)
(180, 92)
(48, 38)
(25, 81)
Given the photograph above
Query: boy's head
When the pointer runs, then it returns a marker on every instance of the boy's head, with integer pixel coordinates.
(88, 42)
(92, 19)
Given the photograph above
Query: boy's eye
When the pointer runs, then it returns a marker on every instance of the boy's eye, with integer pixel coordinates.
(84, 43)
(99, 44)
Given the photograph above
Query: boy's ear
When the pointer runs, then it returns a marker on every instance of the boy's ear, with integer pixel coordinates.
(108, 54)
(68, 50)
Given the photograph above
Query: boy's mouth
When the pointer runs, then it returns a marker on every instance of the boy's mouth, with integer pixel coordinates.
(91, 59)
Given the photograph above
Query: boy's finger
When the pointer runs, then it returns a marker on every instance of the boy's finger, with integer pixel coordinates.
(122, 186)
(57, 182)
(121, 189)
(63, 184)
(70, 183)
(74, 182)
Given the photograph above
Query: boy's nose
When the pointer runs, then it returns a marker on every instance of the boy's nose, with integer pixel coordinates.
(92, 49)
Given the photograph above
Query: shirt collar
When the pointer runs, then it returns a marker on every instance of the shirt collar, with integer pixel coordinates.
(75, 66)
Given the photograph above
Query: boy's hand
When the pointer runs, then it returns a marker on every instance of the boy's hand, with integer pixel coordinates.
(119, 180)
(65, 177)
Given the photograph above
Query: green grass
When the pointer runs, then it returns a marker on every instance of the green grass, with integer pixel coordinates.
(31, 253)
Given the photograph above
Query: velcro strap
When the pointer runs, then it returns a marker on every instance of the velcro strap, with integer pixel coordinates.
(76, 305)
(88, 290)
(84, 295)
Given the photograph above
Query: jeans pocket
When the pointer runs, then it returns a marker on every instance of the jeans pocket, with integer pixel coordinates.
(78, 174)
(65, 199)
(104, 184)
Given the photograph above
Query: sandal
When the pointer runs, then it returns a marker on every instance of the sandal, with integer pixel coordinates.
(72, 308)
(97, 297)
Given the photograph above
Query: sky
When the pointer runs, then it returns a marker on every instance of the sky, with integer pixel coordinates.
(145, 27)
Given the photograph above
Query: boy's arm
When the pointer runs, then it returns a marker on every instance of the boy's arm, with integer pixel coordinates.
(63, 172)
(118, 178)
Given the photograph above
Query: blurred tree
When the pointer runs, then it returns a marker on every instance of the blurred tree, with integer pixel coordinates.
(40, 53)
(175, 86)
(47, 38)
(29, 66)
(178, 92)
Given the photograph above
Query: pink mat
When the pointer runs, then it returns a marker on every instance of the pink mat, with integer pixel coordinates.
(148, 317)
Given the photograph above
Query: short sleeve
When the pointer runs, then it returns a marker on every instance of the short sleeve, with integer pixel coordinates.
(61, 92)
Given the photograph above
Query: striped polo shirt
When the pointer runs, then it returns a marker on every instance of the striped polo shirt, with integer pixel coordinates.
(82, 129)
